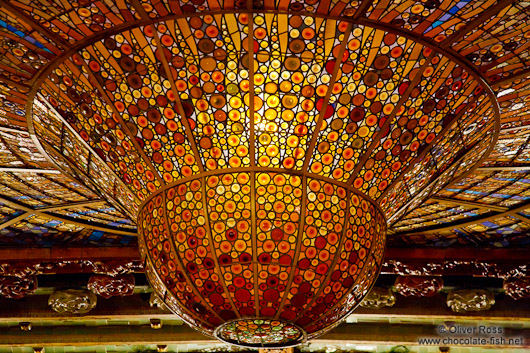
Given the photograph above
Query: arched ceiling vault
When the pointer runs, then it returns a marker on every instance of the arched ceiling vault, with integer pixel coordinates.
(484, 208)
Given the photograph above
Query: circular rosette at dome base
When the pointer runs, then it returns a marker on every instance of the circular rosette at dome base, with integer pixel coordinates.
(292, 252)
(260, 333)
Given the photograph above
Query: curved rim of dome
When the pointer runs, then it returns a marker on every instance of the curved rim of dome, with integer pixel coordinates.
(256, 169)
(447, 52)
(91, 185)
(145, 261)
(298, 341)
(354, 307)
(457, 58)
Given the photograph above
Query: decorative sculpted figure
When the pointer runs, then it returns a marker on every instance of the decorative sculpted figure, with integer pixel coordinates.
(108, 286)
(17, 287)
(379, 298)
(418, 286)
(72, 301)
(517, 288)
(461, 301)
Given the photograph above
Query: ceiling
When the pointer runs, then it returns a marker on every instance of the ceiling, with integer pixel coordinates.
(487, 206)
(41, 206)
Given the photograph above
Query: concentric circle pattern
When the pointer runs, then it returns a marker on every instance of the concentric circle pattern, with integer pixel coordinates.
(167, 101)
(305, 251)
(262, 152)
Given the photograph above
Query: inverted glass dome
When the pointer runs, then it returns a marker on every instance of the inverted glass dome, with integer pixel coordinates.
(262, 153)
